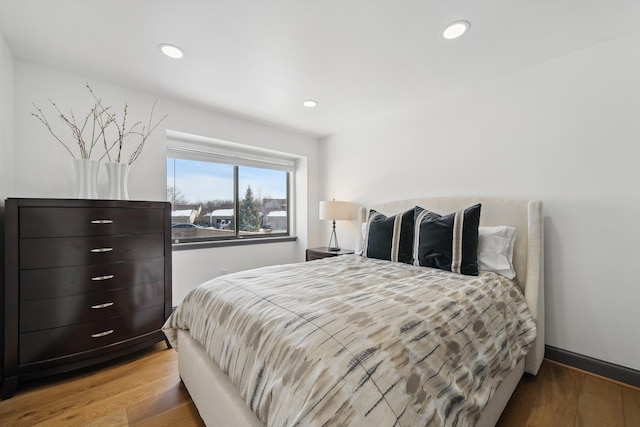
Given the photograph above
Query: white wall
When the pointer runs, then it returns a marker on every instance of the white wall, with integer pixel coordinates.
(43, 168)
(565, 131)
(6, 119)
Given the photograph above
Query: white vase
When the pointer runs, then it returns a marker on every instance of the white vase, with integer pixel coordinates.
(86, 178)
(117, 176)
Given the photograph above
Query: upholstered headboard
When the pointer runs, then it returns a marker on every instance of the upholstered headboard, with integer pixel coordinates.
(528, 255)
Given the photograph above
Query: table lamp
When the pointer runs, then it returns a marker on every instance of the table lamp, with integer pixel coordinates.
(335, 211)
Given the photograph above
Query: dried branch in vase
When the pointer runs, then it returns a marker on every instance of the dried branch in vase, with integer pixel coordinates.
(146, 131)
(100, 119)
(85, 144)
(133, 131)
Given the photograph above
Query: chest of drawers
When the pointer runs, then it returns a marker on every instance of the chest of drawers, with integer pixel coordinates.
(85, 281)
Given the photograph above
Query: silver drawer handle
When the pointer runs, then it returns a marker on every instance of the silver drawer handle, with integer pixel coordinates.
(102, 334)
(102, 221)
(100, 278)
(101, 250)
(105, 305)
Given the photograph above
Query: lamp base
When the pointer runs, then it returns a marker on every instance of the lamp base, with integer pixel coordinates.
(333, 247)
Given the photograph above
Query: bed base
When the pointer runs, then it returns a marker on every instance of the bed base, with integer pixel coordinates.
(218, 401)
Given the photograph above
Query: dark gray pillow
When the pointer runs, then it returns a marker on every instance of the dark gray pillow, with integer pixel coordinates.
(389, 238)
(447, 242)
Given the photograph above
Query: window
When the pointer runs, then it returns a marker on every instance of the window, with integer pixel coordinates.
(220, 196)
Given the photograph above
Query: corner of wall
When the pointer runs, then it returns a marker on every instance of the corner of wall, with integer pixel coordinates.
(6, 120)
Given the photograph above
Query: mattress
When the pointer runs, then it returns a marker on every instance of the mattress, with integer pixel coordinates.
(351, 340)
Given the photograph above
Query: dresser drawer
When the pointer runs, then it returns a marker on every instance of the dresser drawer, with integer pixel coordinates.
(66, 281)
(56, 312)
(74, 221)
(69, 340)
(69, 251)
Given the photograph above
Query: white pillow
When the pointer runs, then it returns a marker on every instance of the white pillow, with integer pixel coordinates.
(495, 250)
(363, 234)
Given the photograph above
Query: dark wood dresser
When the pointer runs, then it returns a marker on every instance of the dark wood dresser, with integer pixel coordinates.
(85, 281)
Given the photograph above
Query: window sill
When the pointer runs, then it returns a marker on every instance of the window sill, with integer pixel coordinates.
(234, 242)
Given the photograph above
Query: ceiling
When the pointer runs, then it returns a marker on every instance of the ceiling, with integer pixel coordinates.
(260, 59)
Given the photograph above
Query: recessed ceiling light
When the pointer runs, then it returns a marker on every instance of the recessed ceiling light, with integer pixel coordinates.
(456, 29)
(171, 51)
(309, 103)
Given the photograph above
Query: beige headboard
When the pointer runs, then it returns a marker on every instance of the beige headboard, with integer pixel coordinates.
(528, 256)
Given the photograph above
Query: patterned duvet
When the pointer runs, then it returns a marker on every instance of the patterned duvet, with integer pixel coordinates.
(356, 341)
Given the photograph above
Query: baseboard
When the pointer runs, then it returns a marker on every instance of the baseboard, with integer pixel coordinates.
(595, 366)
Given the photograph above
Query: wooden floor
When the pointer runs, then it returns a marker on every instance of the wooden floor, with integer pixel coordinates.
(145, 390)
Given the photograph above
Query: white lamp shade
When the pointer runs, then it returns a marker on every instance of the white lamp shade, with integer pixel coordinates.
(335, 210)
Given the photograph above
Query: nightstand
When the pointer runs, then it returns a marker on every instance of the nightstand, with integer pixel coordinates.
(324, 252)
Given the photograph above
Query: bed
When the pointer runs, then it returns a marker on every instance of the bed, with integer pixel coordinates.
(337, 365)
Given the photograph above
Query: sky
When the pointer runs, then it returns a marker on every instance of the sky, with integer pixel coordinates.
(201, 181)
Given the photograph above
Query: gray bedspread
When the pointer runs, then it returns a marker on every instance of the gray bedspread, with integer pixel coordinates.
(357, 341)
